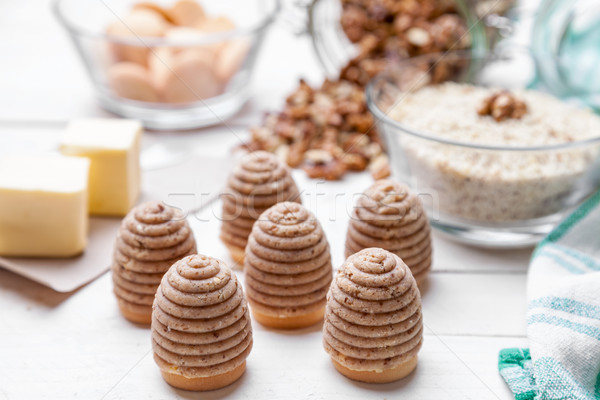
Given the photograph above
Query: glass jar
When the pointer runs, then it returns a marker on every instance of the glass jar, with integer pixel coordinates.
(334, 50)
(564, 43)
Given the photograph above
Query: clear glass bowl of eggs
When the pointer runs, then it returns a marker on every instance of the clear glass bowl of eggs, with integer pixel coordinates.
(174, 64)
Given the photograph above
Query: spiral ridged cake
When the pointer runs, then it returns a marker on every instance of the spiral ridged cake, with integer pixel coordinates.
(287, 267)
(373, 327)
(259, 181)
(390, 216)
(201, 331)
(151, 238)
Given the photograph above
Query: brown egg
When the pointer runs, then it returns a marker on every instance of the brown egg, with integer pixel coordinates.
(160, 62)
(187, 13)
(132, 81)
(191, 78)
(184, 34)
(146, 5)
(216, 24)
(140, 23)
(230, 58)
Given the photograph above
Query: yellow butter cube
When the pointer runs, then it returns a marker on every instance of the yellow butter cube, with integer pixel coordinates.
(43, 206)
(113, 147)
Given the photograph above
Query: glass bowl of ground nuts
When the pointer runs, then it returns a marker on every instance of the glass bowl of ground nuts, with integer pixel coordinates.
(171, 64)
(497, 161)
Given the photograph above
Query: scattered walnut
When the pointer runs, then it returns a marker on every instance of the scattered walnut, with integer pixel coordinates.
(318, 156)
(331, 171)
(380, 167)
(354, 162)
(418, 37)
(503, 105)
(353, 21)
(295, 155)
(326, 131)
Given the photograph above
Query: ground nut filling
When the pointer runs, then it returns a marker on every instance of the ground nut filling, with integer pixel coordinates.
(200, 321)
(259, 181)
(151, 238)
(495, 186)
(373, 316)
(287, 264)
(390, 216)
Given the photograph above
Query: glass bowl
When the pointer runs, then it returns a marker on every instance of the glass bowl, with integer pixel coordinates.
(169, 76)
(487, 195)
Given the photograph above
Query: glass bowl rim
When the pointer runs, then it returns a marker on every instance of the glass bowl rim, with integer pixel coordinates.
(144, 41)
(381, 116)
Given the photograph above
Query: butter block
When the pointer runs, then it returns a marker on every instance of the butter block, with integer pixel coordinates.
(43, 206)
(113, 148)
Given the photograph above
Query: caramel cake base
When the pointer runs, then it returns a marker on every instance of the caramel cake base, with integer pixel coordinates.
(204, 383)
(237, 254)
(289, 322)
(137, 313)
(384, 376)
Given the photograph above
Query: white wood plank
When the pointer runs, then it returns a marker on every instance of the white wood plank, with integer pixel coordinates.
(481, 356)
(475, 304)
(451, 256)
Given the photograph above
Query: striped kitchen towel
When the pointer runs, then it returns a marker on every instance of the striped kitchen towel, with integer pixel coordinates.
(563, 319)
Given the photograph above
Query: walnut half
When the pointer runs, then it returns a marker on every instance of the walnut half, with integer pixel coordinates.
(502, 105)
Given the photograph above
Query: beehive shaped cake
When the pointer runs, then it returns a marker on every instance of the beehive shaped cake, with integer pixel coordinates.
(201, 331)
(287, 267)
(390, 216)
(373, 326)
(151, 238)
(259, 181)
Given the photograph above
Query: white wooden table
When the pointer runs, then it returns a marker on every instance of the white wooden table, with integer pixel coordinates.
(77, 345)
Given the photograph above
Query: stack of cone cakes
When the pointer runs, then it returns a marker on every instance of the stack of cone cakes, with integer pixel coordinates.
(259, 181)
(390, 216)
(287, 267)
(373, 326)
(201, 331)
(151, 238)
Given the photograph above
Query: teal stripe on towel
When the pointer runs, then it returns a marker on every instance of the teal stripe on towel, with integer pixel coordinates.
(582, 258)
(572, 268)
(565, 323)
(571, 220)
(567, 305)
